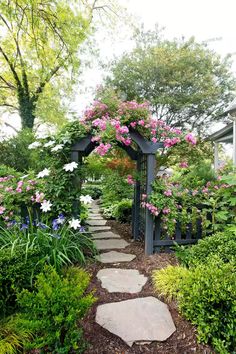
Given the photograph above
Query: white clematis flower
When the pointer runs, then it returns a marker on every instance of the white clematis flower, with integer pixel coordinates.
(34, 145)
(58, 147)
(70, 166)
(43, 173)
(86, 199)
(49, 143)
(74, 224)
(46, 206)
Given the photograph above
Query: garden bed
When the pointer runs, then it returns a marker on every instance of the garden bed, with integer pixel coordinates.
(183, 341)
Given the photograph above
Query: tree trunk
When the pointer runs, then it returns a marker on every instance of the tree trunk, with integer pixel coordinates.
(26, 110)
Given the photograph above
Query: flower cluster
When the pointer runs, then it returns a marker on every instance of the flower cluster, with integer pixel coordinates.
(117, 125)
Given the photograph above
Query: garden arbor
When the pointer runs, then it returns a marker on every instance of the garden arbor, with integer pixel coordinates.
(144, 155)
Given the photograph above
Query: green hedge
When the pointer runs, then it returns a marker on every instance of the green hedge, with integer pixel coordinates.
(16, 273)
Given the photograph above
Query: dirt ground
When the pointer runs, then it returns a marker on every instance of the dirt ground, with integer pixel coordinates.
(101, 341)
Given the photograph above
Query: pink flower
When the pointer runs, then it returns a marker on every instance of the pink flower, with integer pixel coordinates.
(168, 193)
(115, 123)
(133, 124)
(123, 130)
(166, 211)
(194, 192)
(8, 189)
(28, 188)
(2, 209)
(205, 190)
(154, 140)
(141, 122)
(144, 196)
(183, 164)
(102, 149)
(18, 190)
(216, 187)
(38, 197)
(191, 139)
(95, 138)
(130, 180)
(171, 142)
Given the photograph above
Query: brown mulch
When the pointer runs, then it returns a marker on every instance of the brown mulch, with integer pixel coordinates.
(101, 341)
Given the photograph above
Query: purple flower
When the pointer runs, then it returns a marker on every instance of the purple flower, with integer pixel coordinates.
(24, 227)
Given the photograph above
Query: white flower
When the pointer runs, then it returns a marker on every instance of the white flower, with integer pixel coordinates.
(49, 143)
(70, 166)
(46, 206)
(75, 223)
(57, 147)
(86, 199)
(34, 145)
(43, 173)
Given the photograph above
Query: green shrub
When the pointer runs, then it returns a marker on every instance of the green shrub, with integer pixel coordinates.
(52, 310)
(221, 244)
(123, 211)
(94, 191)
(16, 273)
(206, 296)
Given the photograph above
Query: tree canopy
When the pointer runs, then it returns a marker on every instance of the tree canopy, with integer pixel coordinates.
(187, 84)
(39, 55)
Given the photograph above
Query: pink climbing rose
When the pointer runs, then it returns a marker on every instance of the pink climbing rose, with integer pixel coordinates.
(191, 139)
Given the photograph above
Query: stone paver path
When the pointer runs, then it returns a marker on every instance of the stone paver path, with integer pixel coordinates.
(105, 235)
(121, 280)
(142, 319)
(115, 257)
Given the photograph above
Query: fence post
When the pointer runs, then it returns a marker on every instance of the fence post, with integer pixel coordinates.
(149, 225)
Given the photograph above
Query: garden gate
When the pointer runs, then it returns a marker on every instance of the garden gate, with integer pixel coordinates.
(144, 155)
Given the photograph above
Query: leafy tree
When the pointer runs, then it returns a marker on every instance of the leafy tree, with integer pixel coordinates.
(38, 49)
(187, 84)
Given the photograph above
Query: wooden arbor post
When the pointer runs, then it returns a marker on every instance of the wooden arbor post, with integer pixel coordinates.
(146, 148)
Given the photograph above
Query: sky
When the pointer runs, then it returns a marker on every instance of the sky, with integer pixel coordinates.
(203, 19)
(206, 20)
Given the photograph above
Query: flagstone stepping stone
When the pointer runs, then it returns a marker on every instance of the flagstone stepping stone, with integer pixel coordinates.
(105, 235)
(115, 257)
(110, 244)
(116, 280)
(93, 214)
(98, 228)
(96, 222)
(138, 320)
(91, 217)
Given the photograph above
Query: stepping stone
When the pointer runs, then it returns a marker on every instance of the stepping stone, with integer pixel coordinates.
(91, 217)
(106, 234)
(110, 244)
(115, 257)
(98, 228)
(138, 320)
(93, 214)
(96, 222)
(116, 280)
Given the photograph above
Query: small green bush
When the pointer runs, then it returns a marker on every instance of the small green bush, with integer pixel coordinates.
(52, 310)
(94, 191)
(206, 296)
(16, 273)
(221, 244)
(123, 211)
